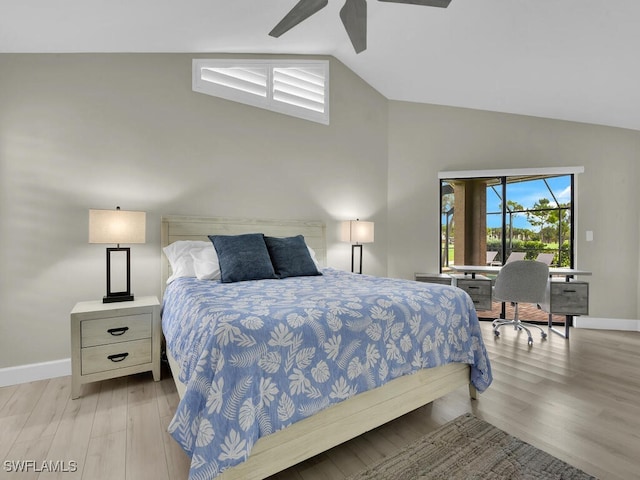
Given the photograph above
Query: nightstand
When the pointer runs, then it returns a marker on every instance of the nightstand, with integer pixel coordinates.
(111, 340)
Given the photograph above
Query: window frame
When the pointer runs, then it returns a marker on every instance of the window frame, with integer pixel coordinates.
(516, 172)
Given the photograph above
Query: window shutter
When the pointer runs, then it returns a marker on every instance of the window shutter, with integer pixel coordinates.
(296, 88)
(249, 80)
(299, 86)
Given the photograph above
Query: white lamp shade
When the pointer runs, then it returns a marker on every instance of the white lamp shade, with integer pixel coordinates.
(117, 226)
(355, 231)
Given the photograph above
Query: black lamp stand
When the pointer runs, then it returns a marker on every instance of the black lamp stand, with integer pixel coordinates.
(125, 296)
(353, 255)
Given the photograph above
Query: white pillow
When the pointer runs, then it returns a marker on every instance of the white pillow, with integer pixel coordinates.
(205, 263)
(313, 257)
(179, 255)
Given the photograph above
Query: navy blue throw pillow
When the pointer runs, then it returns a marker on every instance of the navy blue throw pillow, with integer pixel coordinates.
(290, 257)
(242, 257)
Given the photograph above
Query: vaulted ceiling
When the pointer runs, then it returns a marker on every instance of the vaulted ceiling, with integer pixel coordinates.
(565, 59)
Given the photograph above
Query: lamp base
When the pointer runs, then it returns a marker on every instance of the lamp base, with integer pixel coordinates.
(353, 256)
(118, 297)
(124, 295)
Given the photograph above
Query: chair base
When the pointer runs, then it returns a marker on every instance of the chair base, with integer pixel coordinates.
(518, 325)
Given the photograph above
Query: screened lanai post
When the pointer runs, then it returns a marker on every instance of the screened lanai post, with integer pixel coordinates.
(470, 219)
(446, 221)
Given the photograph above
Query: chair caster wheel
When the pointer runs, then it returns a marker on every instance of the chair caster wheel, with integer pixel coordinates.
(530, 342)
(496, 333)
(544, 335)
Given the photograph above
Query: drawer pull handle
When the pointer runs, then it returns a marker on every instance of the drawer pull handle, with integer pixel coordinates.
(471, 287)
(118, 357)
(569, 291)
(116, 332)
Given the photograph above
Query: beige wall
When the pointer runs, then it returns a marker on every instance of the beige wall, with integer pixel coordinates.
(426, 139)
(80, 131)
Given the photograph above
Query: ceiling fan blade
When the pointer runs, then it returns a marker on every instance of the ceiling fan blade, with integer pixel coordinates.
(300, 12)
(354, 19)
(426, 3)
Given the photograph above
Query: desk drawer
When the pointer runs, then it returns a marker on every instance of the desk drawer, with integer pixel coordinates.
(569, 298)
(118, 355)
(475, 287)
(439, 278)
(104, 331)
(478, 288)
(481, 302)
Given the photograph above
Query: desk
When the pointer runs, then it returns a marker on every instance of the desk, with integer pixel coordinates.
(567, 273)
(553, 271)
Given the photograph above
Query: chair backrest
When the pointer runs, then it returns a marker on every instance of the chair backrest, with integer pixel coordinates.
(491, 256)
(522, 281)
(545, 258)
(514, 256)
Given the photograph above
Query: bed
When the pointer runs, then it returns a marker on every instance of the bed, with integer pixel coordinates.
(316, 323)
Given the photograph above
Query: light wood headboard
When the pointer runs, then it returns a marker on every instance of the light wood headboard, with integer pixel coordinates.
(176, 228)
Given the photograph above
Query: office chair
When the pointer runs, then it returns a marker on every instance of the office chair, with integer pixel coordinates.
(521, 281)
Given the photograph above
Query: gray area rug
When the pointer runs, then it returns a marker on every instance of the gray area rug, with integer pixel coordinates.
(470, 448)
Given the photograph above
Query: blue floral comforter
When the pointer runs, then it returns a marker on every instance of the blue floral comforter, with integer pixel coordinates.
(258, 356)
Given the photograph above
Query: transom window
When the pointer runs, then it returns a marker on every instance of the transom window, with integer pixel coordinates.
(293, 87)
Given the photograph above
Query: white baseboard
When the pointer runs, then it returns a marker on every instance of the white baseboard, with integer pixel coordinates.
(34, 371)
(607, 323)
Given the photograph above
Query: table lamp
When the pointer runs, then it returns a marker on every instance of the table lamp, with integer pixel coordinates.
(117, 227)
(357, 233)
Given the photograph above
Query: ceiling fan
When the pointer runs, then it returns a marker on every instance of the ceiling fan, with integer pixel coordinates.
(353, 15)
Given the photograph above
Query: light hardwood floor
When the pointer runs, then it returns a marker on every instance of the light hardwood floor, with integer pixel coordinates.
(579, 400)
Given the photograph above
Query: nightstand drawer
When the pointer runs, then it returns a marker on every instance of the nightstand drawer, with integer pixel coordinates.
(119, 355)
(104, 331)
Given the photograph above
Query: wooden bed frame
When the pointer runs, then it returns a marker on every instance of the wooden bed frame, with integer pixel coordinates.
(340, 422)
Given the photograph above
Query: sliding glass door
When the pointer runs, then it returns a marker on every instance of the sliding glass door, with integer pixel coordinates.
(484, 220)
